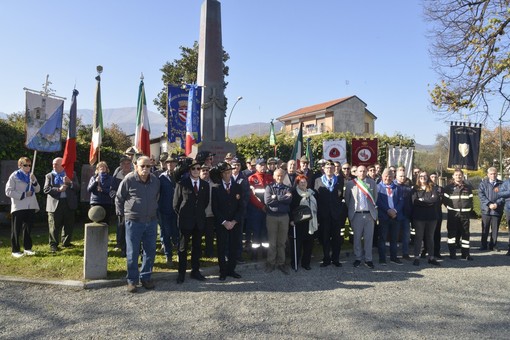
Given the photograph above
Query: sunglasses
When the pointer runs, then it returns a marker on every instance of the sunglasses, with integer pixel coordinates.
(27, 165)
(143, 166)
(195, 168)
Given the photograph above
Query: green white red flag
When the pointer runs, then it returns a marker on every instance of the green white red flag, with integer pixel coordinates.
(143, 129)
(97, 126)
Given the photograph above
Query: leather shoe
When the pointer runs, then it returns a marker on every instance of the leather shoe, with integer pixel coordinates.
(307, 267)
(197, 276)
(434, 262)
(325, 264)
(180, 278)
(149, 284)
(337, 264)
(269, 268)
(283, 268)
(223, 277)
(235, 275)
(131, 288)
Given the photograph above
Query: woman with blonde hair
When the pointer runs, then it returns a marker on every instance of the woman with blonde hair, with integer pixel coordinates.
(99, 188)
(425, 196)
(21, 187)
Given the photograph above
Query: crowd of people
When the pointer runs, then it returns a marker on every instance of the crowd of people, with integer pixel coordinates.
(273, 211)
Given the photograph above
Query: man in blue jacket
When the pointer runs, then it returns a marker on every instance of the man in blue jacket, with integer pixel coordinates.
(390, 205)
(491, 206)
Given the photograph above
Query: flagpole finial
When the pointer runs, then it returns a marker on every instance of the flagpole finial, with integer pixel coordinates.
(99, 69)
(141, 75)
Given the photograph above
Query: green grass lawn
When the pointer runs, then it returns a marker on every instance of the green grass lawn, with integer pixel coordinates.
(68, 262)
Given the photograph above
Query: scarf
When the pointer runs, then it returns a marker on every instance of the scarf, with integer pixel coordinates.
(24, 177)
(308, 199)
(59, 177)
(326, 181)
(102, 179)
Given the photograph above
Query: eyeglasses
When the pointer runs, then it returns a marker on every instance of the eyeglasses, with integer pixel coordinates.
(204, 170)
(143, 166)
(346, 168)
(27, 165)
(195, 168)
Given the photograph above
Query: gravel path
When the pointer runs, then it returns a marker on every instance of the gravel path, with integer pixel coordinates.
(469, 300)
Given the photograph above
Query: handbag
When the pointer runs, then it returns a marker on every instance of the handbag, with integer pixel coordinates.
(302, 213)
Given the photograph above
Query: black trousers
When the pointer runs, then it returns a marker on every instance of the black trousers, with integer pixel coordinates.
(331, 240)
(458, 223)
(22, 223)
(304, 245)
(195, 236)
(227, 242)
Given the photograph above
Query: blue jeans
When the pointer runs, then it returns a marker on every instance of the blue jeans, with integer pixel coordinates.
(405, 226)
(169, 232)
(392, 226)
(146, 233)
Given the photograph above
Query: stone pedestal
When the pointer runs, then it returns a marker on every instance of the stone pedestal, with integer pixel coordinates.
(95, 260)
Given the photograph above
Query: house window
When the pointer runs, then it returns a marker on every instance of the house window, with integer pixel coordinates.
(367, 127)
(310, 128)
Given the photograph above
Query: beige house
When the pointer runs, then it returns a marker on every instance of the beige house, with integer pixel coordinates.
(339, 115)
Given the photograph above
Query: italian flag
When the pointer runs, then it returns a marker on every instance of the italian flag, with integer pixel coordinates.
(143, 130)
(97, 126)
(70, 151)
(297, 150)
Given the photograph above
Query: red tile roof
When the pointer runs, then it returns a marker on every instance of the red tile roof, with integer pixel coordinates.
(314, 108)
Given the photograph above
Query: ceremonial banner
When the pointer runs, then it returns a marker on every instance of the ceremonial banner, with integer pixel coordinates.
(177, 113)
(464, 145)
(70, 150)
(336, 150)
(364, 151)
(193, 135)
(43, 122)
(401, 156)
(97, 126)
(297, 150)
(143, 129)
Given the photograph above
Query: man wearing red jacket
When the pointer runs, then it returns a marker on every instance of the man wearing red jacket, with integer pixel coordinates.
(256, 210)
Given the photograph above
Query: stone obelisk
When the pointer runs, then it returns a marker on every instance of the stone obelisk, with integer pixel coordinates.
(210, 76)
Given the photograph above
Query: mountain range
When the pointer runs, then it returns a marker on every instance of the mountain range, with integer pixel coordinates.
(125, 118)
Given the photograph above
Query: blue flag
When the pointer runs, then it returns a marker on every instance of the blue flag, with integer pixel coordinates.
(43, 122)
(177, 113)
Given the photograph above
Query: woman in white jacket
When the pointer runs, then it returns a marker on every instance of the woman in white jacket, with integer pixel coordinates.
(21, 188)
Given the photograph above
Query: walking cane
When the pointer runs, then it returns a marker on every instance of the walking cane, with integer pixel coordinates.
(295, 248)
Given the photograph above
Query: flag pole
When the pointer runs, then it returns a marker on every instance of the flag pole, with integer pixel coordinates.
(99, 69)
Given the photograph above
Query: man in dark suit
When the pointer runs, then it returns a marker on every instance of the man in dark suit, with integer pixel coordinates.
(227, 207)
(330, 193)
(191, 198)
(61, 203)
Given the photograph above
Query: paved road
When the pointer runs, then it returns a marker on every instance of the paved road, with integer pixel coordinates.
(469, 300)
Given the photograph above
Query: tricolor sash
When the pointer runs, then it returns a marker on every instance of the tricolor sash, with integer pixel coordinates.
(364, 189)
